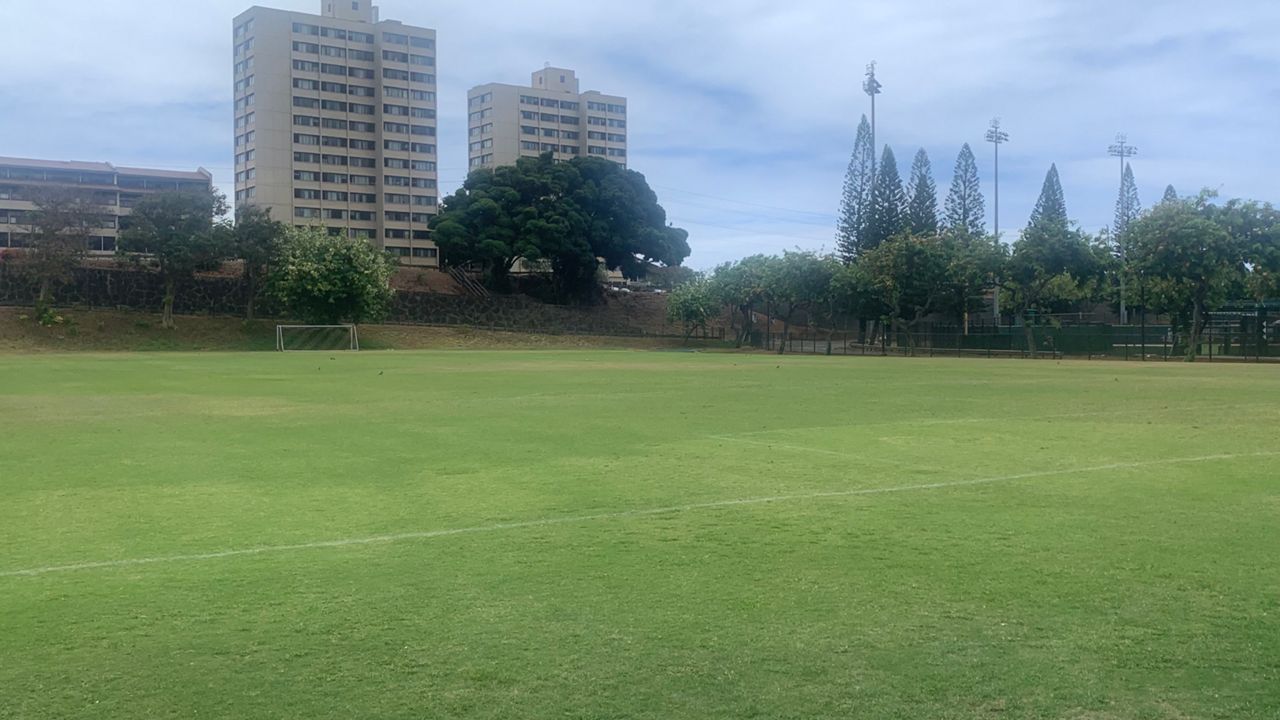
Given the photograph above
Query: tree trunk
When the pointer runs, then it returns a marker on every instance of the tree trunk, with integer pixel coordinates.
(786, 332)
(1197, 328)
(1029, 331)
(42, 303)
(166, 319)
(251, 291)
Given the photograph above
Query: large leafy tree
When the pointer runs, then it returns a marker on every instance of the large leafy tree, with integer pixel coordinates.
(922, 197)
(327, 279)
(855, 200)
(1050, 260)
(254, 239)
(1190, 260)
(911, 276)
(60, 225)
(798, 282)
(966, 210)
(888, 204)
(175, 232)
(691, 305)
(574, 216)
(741, 286)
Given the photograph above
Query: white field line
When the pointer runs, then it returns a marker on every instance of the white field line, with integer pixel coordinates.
(970, 420)
(625, 514)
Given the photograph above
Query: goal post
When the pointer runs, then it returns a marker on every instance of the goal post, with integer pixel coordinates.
(317, 338)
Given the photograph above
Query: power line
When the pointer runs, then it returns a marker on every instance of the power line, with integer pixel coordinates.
(829, 216)
(745, 232)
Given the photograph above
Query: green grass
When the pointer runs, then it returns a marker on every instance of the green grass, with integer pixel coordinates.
(1147, 589)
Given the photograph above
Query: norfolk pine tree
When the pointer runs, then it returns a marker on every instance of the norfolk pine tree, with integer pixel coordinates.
(966, 211)
(856, 198)
(922, 197)
(888, 205)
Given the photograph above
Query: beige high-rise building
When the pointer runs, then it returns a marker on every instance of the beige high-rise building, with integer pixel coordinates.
(508, 122)
(335, 123)
(113, 189)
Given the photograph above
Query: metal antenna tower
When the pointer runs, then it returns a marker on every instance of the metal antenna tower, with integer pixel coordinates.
(1123, 150)
(997, 137)
(871, 86)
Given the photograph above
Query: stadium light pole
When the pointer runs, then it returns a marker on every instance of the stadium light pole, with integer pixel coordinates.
(1123, 150)
(997, 137)
(871, 86)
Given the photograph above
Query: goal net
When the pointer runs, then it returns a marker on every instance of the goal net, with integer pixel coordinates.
(329, 338)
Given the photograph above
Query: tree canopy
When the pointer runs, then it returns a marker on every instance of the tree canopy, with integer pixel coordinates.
(175, 230)
(329, 279)
(573, 215)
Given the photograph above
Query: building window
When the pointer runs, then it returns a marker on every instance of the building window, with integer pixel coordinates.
(424, 148)
(425, 43)
(568, 120)
(362, 91)
(362, 109)
(306, 194)
(339, 160)
(363, 180)
(302, 139)
(333, 196)
(422, 165)
(305, 84)
(615, 123)
(396, 199)
(361, 73)
(306, 47)
(617, 152)
(423, 60)
(395, 180)
(363, 127)
(393, 56)
(307, 213)
(334, 178)
(619, 109)
(363, 162)
(595, 150)
(306, 157)
(305, 102)
(395, 39)
(303, 29)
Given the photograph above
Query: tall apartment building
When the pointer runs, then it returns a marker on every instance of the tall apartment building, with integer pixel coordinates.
(335, 123)
(115, 189)
(508, 122)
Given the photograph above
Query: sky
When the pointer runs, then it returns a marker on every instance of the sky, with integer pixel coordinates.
(742, 113)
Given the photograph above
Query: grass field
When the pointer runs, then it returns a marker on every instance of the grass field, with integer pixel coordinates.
(595, 534)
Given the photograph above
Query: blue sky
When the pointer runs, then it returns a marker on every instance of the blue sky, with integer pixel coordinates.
(742, 114)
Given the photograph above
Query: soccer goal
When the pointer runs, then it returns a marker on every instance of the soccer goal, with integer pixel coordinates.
(327, 338)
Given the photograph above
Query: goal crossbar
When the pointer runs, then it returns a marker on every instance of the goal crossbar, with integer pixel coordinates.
(317, 338)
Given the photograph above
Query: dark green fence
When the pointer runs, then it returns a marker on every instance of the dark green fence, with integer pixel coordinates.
(1092, 342)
